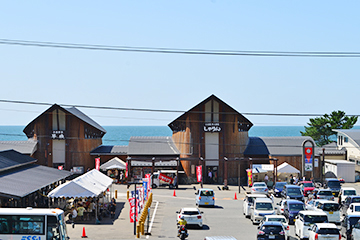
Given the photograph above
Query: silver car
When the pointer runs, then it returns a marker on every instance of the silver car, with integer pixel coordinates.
(259, 187)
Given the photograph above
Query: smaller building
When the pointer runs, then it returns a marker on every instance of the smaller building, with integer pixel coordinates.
(341, 169)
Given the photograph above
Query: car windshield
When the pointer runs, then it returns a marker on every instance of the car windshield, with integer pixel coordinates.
(296, 207)
(315, 219)
(353, 220)
(325, 193)
(280, 184)
(294, 191)
(308, 185)
(276, 219)
(263, 206)
(207, 193)
(334, 231)
(356, 200)
(331, 207)
(350, 192)
(190, 213)
(259, 185)
(333, 184)
(270, 228)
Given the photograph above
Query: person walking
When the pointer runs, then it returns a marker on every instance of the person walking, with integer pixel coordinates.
(112, 208)
(81, 211)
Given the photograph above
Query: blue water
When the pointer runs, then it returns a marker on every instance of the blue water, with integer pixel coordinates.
(120, 135)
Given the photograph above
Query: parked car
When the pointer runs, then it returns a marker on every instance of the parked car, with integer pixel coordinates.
(277, 218)
(205, 197)
(323, 194)
(280, 209)
(249, 201)
(278, 188)
(327, 231)
(347, 224)
(259, 188)
(353, 208)
(332, 210)
(271, 230)
(307, 187)
(262, 207)
(292, 192)
(312, 204)
(334, 185)
(193, 216)
(356, 231)
(291, 209)
(305, 219)
(346, 192)
(349, 200)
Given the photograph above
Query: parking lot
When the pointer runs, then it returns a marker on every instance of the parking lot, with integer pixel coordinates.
(226, 218)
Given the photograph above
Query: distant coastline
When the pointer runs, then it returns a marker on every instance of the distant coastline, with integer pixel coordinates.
(120, 135)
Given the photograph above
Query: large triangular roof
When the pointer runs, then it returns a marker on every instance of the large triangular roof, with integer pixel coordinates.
(213, 97)
(73, 111)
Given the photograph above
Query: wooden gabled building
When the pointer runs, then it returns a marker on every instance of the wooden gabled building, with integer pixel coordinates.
(65, 136)
(209, 134)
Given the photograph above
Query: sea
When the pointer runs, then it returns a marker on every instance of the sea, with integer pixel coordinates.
(120, 135)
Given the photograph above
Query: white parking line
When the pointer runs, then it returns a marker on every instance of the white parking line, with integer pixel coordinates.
(152, 219)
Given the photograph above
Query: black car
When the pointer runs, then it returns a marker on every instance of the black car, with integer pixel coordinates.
(348, 223)
(292, 192)
(334, 185)
(271, 230)
(349, 200)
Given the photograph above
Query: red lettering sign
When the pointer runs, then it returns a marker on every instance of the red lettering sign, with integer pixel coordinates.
(165, 178)
(60, 167)
(199, 173)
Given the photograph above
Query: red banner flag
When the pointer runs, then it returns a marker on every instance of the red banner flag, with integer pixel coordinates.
(165, 178)
(199, 173)
(126, 171)
(97, 163)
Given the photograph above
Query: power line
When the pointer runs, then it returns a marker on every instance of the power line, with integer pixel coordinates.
(180, 51)
(166, 110)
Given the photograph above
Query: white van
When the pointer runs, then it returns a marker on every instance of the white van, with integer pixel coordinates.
(261, 207)
(167, 181)
(332, 210)
(305, 219)
(249, 201)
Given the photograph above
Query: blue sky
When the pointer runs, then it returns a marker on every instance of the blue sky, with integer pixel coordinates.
(178, 81)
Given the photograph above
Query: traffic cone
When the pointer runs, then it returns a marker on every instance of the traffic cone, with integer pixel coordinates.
(174, 195)
(83, 234)
(235, 198)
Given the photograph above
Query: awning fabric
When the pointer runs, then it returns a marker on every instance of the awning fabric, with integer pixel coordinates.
(90, 184)
(286, 168)
(116, 162)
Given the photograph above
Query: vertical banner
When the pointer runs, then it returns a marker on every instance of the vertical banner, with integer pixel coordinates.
(126, 171)
(145, 186)
(199, 173)
(249, 175)
(97, 163)
(308, 159)
(132, 210)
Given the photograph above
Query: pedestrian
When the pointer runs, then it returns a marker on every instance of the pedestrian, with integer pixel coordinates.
(210, 176)
(73, 214)
(291, 179)
(81, 211)
(112, 208)
(266, 179)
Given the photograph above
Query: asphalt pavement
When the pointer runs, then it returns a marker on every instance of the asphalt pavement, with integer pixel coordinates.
(226, 218)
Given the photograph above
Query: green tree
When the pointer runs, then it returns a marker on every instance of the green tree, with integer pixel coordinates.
(320, 128)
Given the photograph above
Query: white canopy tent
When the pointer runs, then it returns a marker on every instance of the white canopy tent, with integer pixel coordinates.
(286, 168)
(114, 163)
(90, 184)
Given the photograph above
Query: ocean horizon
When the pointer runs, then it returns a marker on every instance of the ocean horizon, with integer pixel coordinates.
(120, 135)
